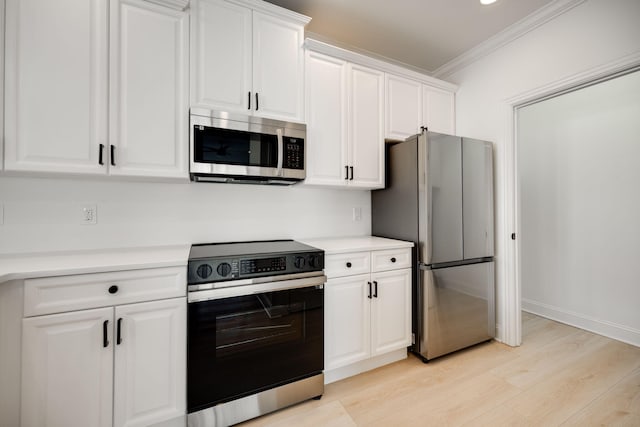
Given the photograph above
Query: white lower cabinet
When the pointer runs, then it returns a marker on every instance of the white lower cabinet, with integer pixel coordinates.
(366, 315)
(121, 365)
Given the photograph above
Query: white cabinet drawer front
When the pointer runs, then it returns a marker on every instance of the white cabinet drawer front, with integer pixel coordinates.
(82, 291)
(391, 259)
(347, 264)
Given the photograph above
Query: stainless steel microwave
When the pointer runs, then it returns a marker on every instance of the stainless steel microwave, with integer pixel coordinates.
(228, 147)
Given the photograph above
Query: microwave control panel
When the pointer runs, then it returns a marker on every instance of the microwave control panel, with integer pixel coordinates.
(293, 153)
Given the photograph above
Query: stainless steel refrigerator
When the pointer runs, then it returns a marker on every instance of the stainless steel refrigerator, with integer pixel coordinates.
(439, 195)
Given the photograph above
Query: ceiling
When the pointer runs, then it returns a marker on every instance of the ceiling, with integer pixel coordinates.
(423, 34)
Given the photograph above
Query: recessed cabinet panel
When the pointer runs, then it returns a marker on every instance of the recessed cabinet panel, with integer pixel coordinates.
(326, 112)
(148, 123)
(67, 369)
(404, 107)
(439, 110)
(221, 55)
(278, 61)
(56, 76)
(392, 295)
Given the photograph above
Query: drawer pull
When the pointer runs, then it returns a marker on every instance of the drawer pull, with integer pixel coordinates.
(393, 259)
(113, 289)
(348, 265)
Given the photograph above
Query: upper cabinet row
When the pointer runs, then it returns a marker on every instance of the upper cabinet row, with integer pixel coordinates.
(104, 88)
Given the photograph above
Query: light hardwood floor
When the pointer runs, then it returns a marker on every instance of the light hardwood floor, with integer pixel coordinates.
(559, 376)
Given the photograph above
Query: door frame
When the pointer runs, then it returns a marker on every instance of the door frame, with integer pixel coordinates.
(510, 305)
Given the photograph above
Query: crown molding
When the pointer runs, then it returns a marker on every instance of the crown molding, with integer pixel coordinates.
(173, 4)
(272, 9)
(384, 66)
(506, 36)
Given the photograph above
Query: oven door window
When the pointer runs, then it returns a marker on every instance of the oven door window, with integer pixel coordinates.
(233, 147)
(242, 345)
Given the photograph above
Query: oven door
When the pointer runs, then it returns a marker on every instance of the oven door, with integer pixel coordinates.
(241, 345)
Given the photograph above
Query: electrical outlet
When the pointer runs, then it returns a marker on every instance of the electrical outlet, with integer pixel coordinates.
(89, 214)
(357, 214)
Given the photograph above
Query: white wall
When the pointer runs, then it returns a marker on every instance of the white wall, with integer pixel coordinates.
(590, 35)
(579, 202)
(44, 214)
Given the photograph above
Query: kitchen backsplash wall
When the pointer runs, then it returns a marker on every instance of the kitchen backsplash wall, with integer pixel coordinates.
(47, 214)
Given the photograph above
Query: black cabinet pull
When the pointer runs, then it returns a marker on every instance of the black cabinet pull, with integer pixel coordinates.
(113, 289)
(100, 155)
(369, 296)
(351, 168)
(346, 173)
(105, 339)
(375, 287)
(119, 327)
(393, 259)
(113, 154)
(248, 100)
(348, 265)
(257, 104)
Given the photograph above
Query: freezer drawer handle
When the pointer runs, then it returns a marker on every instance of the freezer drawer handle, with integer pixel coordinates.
(393, 259)
(369, 295)
(348, 265)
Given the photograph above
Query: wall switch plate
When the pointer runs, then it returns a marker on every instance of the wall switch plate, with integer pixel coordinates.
(89, 214)
(357, 214)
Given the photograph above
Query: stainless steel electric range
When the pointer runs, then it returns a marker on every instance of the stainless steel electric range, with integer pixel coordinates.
(255, 329)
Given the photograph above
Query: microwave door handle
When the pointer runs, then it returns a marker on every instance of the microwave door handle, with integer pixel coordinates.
(280, 152)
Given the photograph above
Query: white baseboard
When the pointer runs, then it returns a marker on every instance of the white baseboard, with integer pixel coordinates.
(364, 365)
(602, 327)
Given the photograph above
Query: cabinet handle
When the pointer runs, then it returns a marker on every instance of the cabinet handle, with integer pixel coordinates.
(369, 296)
(119, 336)
(393, 259)
(249, 100)
(113, 289)
(257, 104)
(100, 155)
(375, 287)
(346, 173)
(113, 154)
(351, 169)
(105, 338)
(348, 265)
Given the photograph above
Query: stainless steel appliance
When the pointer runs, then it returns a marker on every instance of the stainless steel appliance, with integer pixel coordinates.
(227, 147)
(439, 195)
(255, 334)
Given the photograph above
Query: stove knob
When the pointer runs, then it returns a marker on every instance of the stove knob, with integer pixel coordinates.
(314, 261)
(204, 271)
(298, 262)
(224, 269)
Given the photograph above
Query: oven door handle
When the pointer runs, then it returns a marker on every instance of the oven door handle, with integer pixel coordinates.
(258, 288)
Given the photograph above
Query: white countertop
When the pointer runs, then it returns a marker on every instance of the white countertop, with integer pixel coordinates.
(354, 244)
(24, 266)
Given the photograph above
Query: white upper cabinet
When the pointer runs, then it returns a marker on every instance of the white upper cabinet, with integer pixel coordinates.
(61, 79)
(366, 120)
(438, 113)
(148, 133)
(345, 104)
(56, 85)
(404, 107)
(248, 57)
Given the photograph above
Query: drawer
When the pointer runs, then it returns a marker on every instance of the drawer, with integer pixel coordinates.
(347, 264)
(390, 259)
(81, 291)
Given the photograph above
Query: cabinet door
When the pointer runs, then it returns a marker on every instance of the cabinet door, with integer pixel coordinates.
(366, 117)
(150, 362)
(346, 321)
(391, 311)
(278, 73)
(404, 107)
(438, 110)
(149, 66)
(56, 85)
(326, 112)
(67, 369)
(221, 56)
